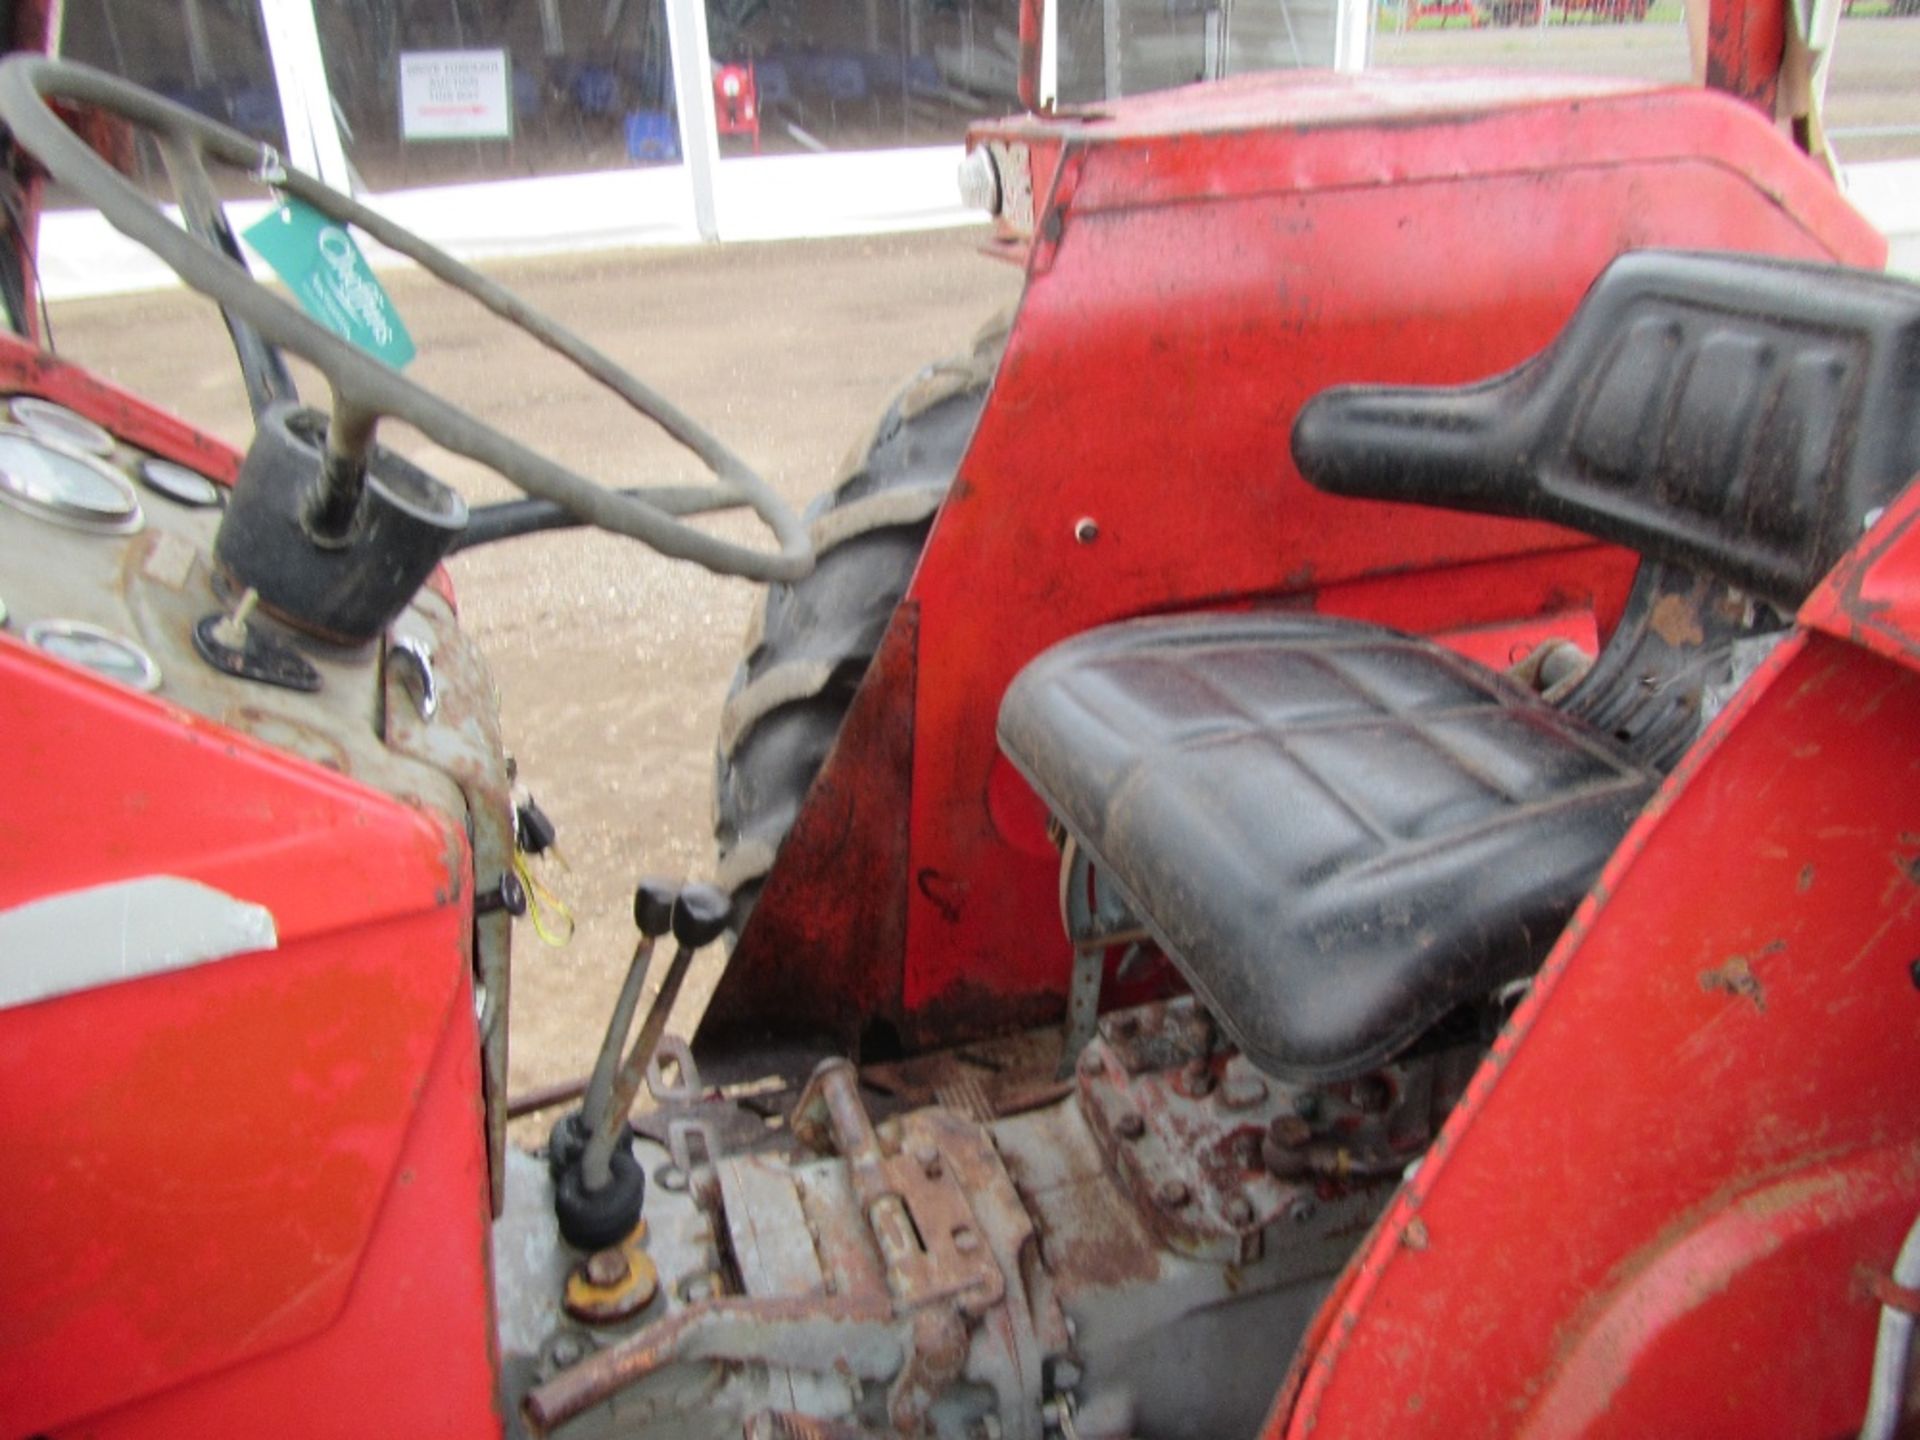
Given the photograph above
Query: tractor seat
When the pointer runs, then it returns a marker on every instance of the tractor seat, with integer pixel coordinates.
(1338, 833)
(1356, 822)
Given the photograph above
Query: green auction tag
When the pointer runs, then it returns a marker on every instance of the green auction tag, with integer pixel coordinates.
(331, 279)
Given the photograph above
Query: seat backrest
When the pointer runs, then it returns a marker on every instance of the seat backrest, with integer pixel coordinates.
(1741, 417)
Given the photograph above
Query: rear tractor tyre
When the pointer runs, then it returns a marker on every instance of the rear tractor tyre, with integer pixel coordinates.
(809, 644)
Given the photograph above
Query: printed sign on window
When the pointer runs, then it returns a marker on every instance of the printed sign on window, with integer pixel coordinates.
(455, 95)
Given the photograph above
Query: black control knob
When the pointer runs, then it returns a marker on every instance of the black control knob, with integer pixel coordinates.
(653, 906)
(700, 915)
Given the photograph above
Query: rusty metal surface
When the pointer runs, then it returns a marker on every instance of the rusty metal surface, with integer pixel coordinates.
(833, 1334)
(982, 1081)
(898, 1256)
(941, 1163)
(1214, 1153)
(914, 1193)
(953, 1235)
(1141, 1313)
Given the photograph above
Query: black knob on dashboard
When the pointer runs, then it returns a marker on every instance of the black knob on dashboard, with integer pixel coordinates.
(700, 915)
(653, 906)
(346, 588)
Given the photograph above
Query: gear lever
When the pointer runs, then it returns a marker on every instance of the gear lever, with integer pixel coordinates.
(599, 1186)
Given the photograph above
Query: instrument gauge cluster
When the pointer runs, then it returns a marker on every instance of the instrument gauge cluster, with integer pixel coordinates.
(64, 485)
(72, 584)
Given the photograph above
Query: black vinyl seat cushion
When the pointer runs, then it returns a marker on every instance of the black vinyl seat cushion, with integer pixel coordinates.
(1337, 833)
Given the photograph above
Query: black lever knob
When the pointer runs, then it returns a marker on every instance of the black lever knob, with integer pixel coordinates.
(653, 903)
(700, 915)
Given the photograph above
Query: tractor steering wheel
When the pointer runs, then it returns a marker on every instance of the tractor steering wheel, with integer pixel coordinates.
(364, 389)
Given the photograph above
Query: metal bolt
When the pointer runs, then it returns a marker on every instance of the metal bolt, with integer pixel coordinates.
(1086, 529)
(567, 1350)
(1290, 1131)
(1089, 1063)
(607, 1268)
(1239, 1211)
(696, 1289)
(509, 895)
(1172, 1194)
(1066, 1375)
(965, 1241)
(1129, 1126)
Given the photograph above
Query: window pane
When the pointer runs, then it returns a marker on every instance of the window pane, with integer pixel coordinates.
(862, 74)
(209, 55)
(432, 92)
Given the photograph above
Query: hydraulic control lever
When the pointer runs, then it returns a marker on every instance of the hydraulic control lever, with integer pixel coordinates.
(599, 1187)
(653, 913)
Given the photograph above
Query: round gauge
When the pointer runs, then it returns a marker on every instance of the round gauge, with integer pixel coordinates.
(58, 483)
(59, 424)
(178, 483)
(98, 649)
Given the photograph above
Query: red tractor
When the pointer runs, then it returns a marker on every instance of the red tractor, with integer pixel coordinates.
(1323, 837)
